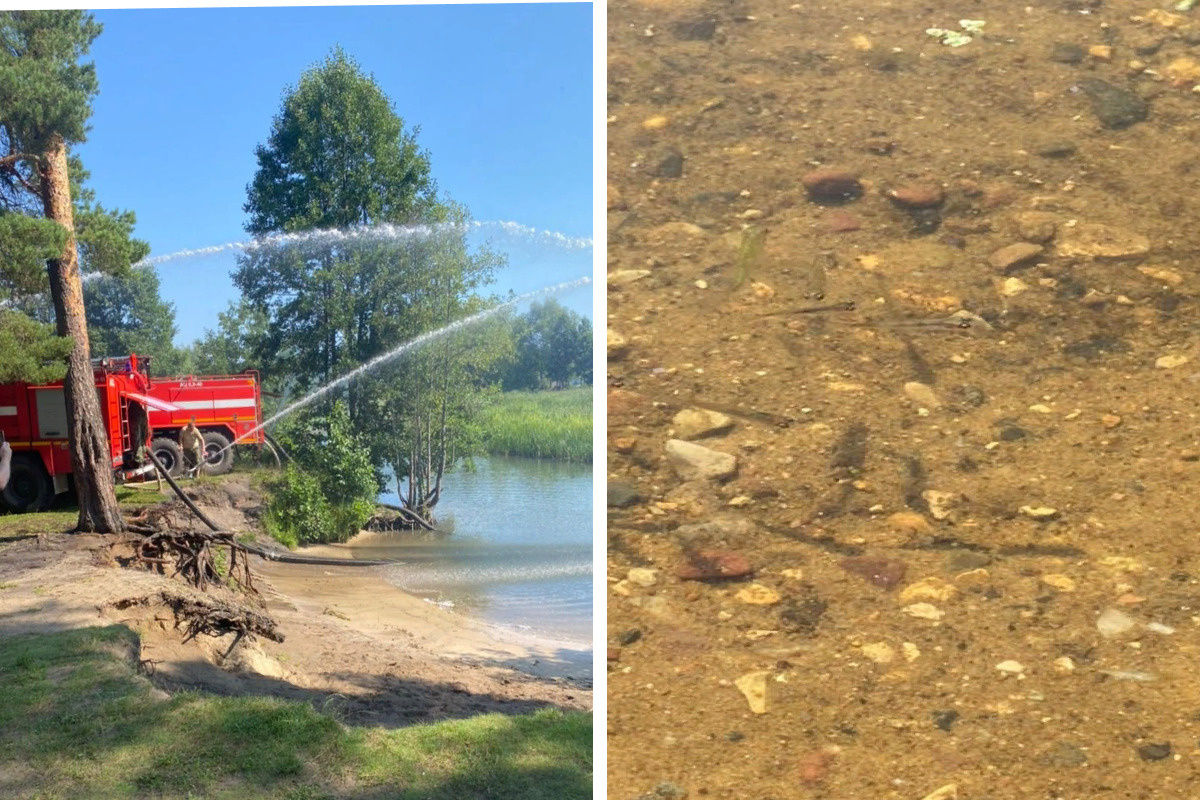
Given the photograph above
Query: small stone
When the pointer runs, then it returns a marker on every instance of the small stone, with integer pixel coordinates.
(911, 651)
(1093, 240)
(1041, 408)
(1059, 149)
(1160, 629)
(924, 611)
(708, 565)
(1170, 362)
(794, 573)
(973, 579)
(642, 576)
(963, 560)
(671, 165)
(1011, 667)
(1113, 622)
(1110, 421)
(1183, 72)
(655, 123)
(1116, 108)
(693, 462)
(1100, 52)
(614, 654)
(698, 423)
(628, 637)
(1060, 582)
(1038, 226)
(832, 186)
(665, 791)
(885, 573)
(624, 277)
(1154, 752)
(922, 394)
(622, 495)
(1014, 254)
(1064, 664)
(1039, 513)
(918, 195)
(941, 504)
(934, 589)
(839, 221)
(908, 522)
(1066, 53)
(945, 719)
(879, 652)
(1064, 754)
(701, 29)
(618, 345)
(1167, 276)
(947, 792)
(758, 595)
(753, 685)
(1011, 287)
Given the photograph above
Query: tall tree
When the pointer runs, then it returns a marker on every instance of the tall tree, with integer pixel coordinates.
(339, 157)
(45, 103)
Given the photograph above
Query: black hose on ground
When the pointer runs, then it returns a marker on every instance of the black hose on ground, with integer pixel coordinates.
(285, 558)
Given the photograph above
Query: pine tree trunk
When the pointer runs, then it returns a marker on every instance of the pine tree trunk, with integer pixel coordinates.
(91, 462)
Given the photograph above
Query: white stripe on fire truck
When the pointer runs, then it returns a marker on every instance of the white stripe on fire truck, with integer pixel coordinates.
(8, 411)
(198, 404)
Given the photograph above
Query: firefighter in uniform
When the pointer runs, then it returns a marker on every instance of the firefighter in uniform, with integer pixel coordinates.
(192, 443)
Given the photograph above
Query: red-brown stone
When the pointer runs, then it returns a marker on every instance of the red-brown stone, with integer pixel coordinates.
(709, 565)
(885, 573)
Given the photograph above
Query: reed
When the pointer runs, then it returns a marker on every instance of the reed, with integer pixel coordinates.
(554, 425)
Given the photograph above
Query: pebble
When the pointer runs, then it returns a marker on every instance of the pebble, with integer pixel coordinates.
(629, 636)
(1011, 667)
(1039, 513)
(753, 685)
(671, 165)
(911, 651)
(655, 123)
(1066, 53)
(909, 522)
(1116, 108)
(1113, 622)
(947, 792)
(839, 221)
(1159, 628)
(1170, 361)
(614, 654)
(1011, 287)
(963, 560)
(642, 576)
(832, 186)
(758, 595)
(1037, 226)
(1064, 664)
(922, 394)
(934, 589)
(941, 504)
(1110, 421)
(918, 195)
(1059, 149)
(1060, 582)
(973, 579)
(1100, 52)
(1154, 752)
(794, 573)
(924, 611)
(624, 277)
(815, 766)
(697, 423)
(618, 345)
(1064, 754)
(693, 462)
(1014, 254)
(1183, 72)
(707, 565)
(945, 719)
(885, 573)
(1167, 276)
(879, 652)
(1093, 240)
(622, 495)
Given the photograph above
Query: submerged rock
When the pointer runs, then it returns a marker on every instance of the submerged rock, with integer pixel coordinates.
(1115, 107)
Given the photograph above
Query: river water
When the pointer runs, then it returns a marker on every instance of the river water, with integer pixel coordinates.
(520, 554)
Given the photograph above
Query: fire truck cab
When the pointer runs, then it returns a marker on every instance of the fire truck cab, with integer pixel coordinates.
(33, 418)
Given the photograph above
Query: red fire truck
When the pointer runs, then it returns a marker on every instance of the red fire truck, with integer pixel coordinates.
(33, 419)
(227, 409)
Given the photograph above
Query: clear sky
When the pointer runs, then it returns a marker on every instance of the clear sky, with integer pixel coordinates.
(502, 95)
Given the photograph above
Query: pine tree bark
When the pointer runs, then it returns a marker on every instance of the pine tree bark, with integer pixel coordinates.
(91, 462)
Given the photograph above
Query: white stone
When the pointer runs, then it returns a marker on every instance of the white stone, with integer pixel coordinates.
(924, 611)
(642, 576)
(694, 462)
(753, 685)
(696, 423)
(1113, 622)
(1011, 667)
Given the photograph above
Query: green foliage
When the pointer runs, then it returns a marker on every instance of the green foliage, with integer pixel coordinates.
(77, 720)
(230, 348)
(126, 314)
(30, 351)
(553, 348)
(555, 425)
(331, 494)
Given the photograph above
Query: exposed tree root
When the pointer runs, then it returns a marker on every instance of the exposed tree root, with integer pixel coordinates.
(209, 616)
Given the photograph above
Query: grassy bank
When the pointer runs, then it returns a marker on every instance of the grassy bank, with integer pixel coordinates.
(554, 425)
(77, 721)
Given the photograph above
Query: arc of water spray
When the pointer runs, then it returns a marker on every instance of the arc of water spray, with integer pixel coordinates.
(411, 344)
(366, 233)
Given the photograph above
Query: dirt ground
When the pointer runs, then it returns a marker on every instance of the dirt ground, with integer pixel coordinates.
(354, 645)
(941, 544)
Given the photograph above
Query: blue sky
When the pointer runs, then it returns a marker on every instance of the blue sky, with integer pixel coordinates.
(502, 95)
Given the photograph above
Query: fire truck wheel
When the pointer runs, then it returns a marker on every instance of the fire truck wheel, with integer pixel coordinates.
(29, 487)
(169, 454)
(214, 464)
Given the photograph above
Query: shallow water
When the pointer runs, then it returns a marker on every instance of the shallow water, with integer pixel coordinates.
(520, 554)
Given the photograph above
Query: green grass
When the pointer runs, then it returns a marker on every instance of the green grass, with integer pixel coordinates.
(64, 513)
(555, 425)
(77, 721)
